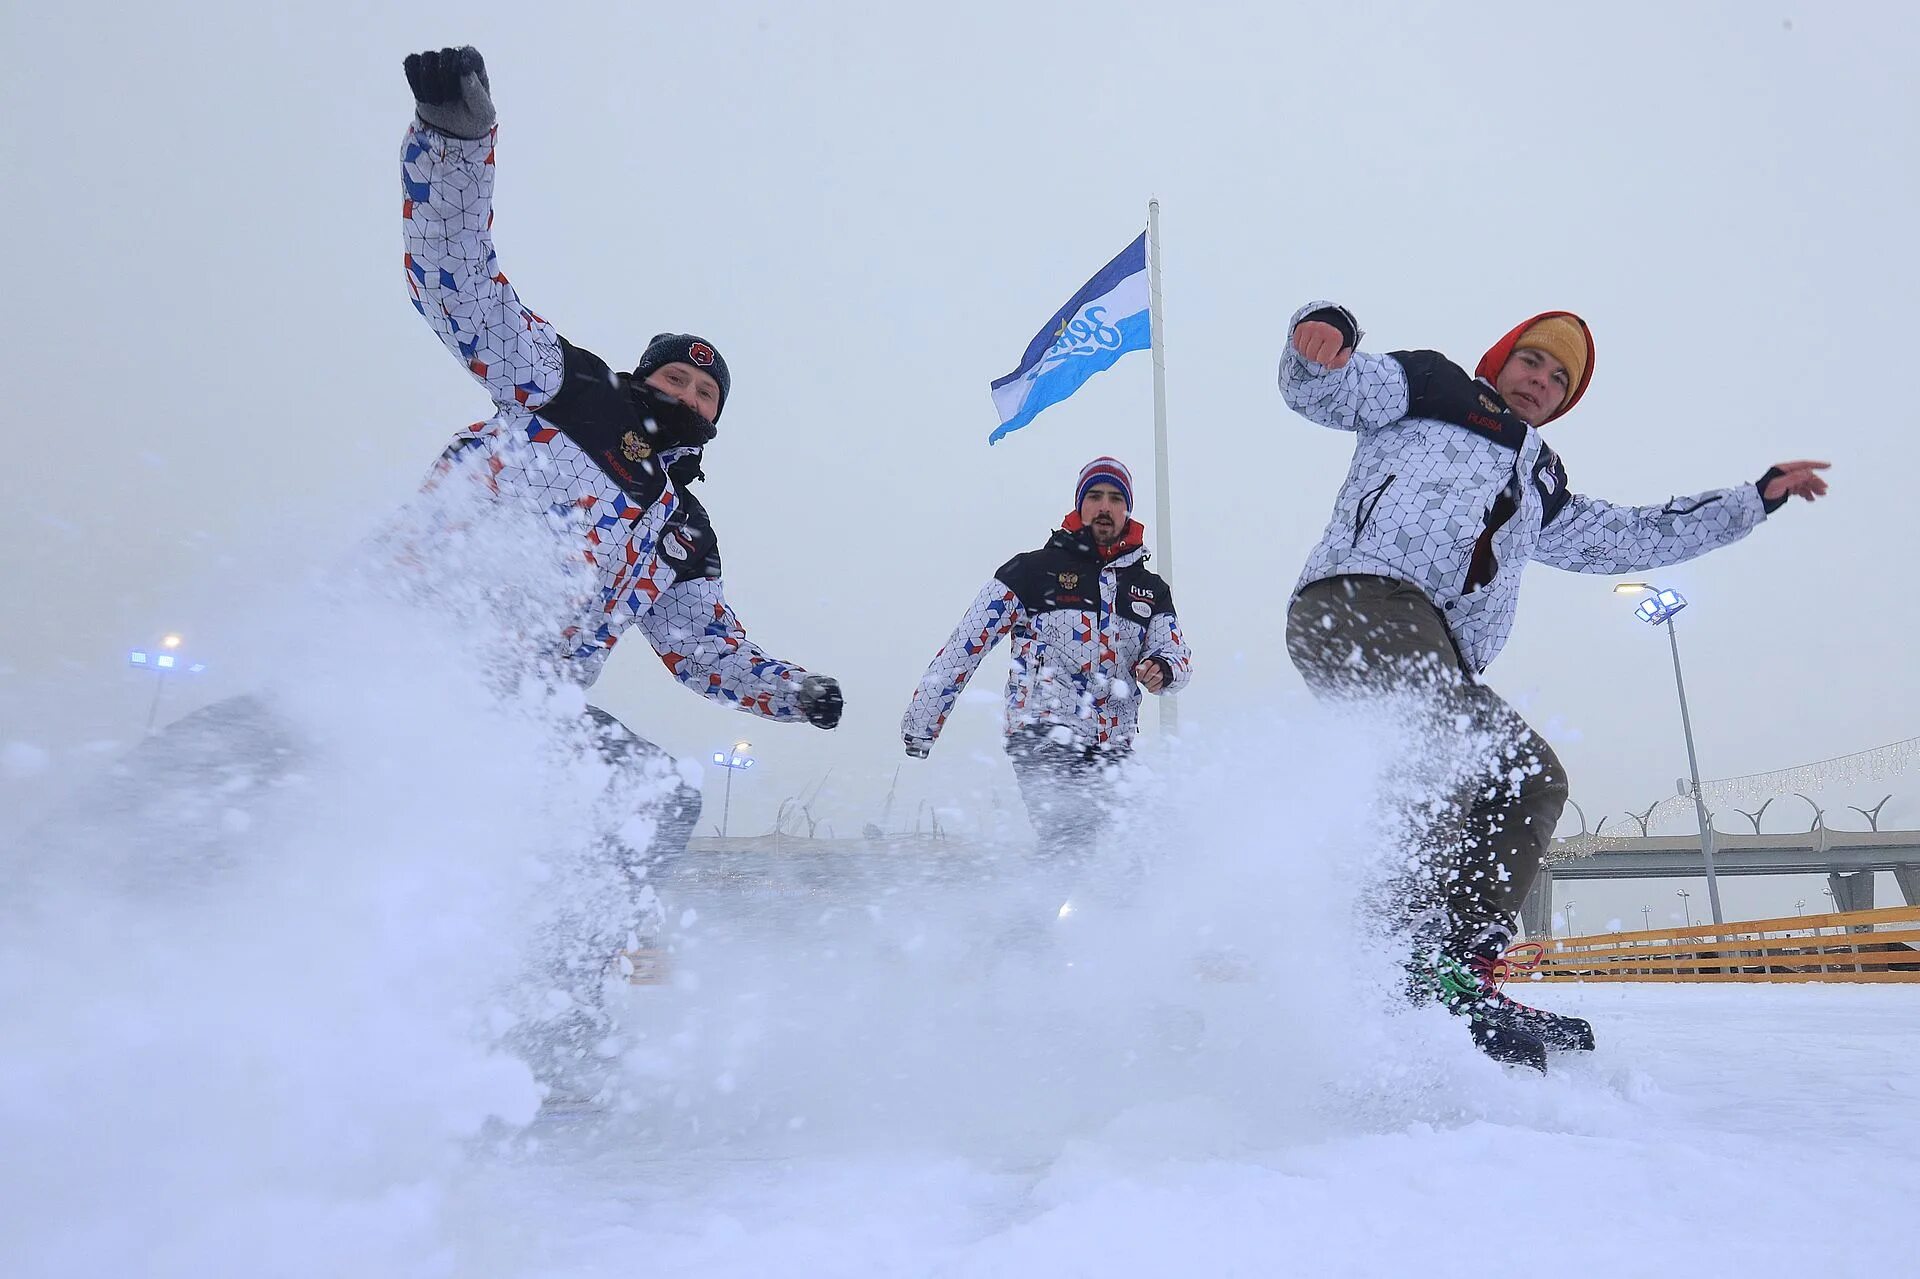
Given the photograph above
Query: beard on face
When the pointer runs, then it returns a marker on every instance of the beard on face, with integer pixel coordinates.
(1105, 530)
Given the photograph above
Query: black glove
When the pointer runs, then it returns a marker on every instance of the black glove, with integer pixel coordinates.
(1340, 318)
(820, 701)
(919, 747)
(1771, 504)
(450, 91)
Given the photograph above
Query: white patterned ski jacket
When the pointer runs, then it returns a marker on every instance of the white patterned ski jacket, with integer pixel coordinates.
(1079, 627)
(1452, 492)
(566, 444)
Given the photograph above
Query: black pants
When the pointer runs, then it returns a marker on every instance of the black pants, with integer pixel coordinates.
(1364, 637)
(676, 814)
(1066, 792)
(1069, 796)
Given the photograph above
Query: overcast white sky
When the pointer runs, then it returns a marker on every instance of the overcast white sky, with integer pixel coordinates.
(218, 381)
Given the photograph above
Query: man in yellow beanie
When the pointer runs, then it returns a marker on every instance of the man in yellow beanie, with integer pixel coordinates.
(1413, 589)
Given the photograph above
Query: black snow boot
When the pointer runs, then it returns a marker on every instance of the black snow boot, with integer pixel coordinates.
(1507, 1044)
(1470, 978)
(1437, 975)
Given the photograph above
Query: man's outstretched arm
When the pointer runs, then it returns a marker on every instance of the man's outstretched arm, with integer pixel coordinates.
(446, 178)
(993, 613)
(1588, 535)
(706, 648)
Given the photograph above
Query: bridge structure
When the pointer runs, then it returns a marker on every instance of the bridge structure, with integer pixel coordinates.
(1849, 860)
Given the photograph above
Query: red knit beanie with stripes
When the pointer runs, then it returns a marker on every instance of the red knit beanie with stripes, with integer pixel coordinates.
(1104, 470)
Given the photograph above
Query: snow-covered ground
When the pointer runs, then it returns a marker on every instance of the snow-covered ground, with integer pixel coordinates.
(1752, 1131)
(272, 1029)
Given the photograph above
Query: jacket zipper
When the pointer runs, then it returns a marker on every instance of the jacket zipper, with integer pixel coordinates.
(1368, 503)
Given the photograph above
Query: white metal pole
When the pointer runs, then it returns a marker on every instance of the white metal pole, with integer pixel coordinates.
(153, 707)
(1693, 763)
(1162, 498)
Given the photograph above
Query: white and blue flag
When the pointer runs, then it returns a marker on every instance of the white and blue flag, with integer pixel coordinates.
(1102, 322)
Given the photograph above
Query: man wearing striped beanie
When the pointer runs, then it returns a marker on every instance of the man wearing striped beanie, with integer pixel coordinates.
(1092, 632)
(1110, 514)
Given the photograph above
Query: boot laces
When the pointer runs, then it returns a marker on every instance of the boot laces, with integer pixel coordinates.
(1495, 971)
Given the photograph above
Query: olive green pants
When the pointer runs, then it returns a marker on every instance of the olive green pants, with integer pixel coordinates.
(1476, 855)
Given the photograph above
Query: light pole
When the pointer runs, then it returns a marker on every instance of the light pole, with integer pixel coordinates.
(1646, 918)
(1569, 921)
(162, 664)
(733, 761)
(1659, 610)
(1686, 911)
(1800, 906)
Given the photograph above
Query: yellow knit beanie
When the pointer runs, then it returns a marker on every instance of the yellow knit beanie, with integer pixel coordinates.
(1561, 337)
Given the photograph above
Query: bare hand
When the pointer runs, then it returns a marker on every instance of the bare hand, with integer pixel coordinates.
(1151, 677)
(1797, 479)
(1321, 343)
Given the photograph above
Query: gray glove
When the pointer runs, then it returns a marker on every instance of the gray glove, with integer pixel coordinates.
(450, 91)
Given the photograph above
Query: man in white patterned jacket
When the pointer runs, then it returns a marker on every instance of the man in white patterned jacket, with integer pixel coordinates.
(1092, 628)
(601, 460)
(1451, 492)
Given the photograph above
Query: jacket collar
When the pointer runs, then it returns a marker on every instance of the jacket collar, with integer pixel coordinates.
(1130, 549)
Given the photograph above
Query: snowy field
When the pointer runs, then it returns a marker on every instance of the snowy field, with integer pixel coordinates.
(1748, 1131)
(1025, 1128)
(277, 1029)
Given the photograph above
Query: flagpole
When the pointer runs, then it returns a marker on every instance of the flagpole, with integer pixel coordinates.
(1162, 499)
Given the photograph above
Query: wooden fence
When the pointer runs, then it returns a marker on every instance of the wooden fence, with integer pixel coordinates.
(1855, 946)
